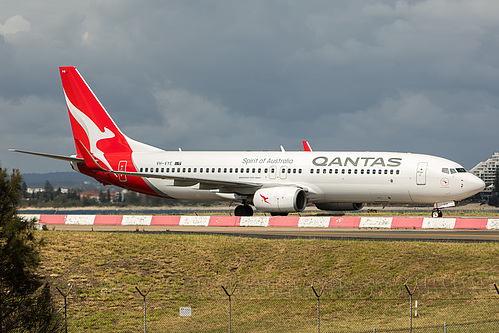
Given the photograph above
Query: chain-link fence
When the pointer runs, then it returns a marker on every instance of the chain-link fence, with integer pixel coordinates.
(210, 305)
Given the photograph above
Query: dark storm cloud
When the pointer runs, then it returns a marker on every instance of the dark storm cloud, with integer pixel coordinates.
(419, 76)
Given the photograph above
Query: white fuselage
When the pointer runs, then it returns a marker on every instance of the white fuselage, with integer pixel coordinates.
(367, 177)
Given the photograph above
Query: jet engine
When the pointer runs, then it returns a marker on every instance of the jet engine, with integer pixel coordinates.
(280, 199)
(340, 206)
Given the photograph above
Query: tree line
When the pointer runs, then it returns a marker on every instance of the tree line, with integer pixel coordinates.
(51, 197)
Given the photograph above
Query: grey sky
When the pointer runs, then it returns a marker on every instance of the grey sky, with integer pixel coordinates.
(418, 76)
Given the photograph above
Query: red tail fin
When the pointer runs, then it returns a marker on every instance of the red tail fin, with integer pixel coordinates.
(91, 123)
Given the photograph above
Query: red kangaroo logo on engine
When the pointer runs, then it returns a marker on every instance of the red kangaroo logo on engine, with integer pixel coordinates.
(265, 199)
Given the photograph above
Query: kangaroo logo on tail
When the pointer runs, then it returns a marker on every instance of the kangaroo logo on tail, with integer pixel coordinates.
(94, 134)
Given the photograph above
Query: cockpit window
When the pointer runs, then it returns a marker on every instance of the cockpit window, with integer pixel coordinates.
(461, 170)
(452, 170)
(445, 170)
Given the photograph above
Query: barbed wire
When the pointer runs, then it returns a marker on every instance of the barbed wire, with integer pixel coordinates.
(382, 288)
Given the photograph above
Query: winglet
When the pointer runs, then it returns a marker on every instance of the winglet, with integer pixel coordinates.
(306, 146)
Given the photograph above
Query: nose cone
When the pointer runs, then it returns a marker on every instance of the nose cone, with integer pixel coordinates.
(474, 184)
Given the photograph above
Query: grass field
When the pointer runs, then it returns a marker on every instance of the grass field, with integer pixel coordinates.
(125, 260)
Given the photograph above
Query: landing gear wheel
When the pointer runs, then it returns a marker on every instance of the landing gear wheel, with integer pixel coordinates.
(248, 210)
(436, 213)
(243, 210)
(278, 214)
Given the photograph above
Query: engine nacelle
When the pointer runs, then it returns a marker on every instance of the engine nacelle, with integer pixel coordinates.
(280, 199)
(340, 206)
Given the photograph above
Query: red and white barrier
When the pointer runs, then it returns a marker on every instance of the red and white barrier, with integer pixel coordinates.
(273, 221)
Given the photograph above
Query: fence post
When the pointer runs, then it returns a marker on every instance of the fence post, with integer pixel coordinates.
(230, 305)
(144, 297)
(410, 300)
(65, 306)
(318, 307)
(1, 315)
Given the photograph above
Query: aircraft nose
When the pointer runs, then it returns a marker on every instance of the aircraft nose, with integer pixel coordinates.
(475, 184)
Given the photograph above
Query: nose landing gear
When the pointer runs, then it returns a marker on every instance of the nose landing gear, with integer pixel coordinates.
(436, 213)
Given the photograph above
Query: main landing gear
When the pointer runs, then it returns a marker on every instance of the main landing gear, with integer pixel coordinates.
(243, 210)
(436, 213)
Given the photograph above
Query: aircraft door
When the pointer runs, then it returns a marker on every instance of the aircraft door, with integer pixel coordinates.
(122, 167)
(283, 172)
(272, 172)
(421, 173)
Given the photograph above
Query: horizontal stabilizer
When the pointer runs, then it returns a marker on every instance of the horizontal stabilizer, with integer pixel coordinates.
(54, 156)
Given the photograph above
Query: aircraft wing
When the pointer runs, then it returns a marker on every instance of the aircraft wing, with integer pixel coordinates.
(54, 156)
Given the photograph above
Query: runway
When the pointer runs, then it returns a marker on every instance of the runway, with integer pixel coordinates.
(426, 235)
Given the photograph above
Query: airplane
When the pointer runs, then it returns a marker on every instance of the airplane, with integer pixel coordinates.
(275, 182)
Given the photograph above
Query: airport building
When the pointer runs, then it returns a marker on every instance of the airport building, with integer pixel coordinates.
(487, 171)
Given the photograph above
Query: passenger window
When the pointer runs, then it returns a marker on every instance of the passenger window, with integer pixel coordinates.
(386, 172)
(162, 170)
(391, 172)
(398, 171)
(355, 171)
(342, 170)
(247, 170)
(225, 170)
(235, 170)
(230, 170)
(146, 169)
(195, 170)
(349, 171)
(368, 171)
(294, 170)
(200, 170)
(189, 170)
(259, 170)
(299, 170)
(266, 170)
(380, 172)
(140, 169)
(361, 171)
(324, 171)
(167, 169)
(219, 170)
(336, 171)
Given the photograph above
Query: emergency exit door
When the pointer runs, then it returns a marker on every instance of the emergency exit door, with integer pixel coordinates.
(421, 173)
